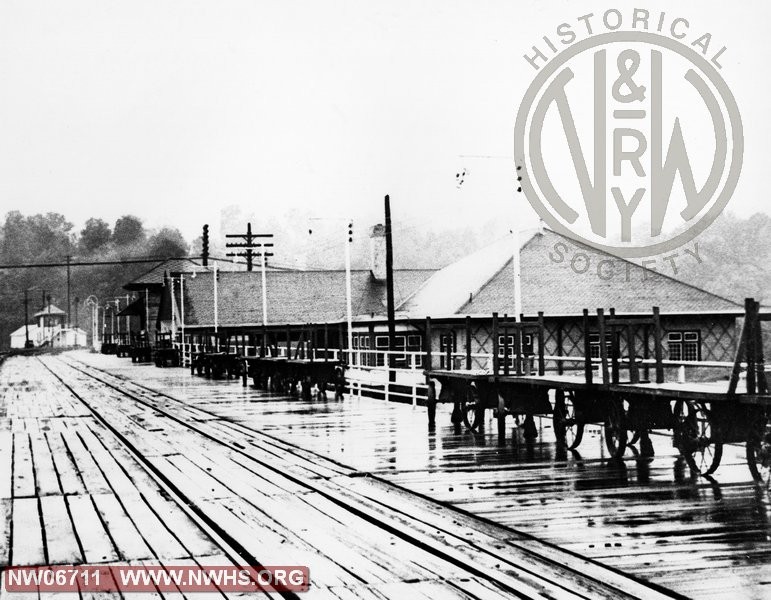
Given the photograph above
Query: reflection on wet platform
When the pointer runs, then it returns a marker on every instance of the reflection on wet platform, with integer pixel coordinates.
(650, 517)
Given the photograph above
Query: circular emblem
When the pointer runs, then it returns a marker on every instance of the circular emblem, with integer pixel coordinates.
(630, 141)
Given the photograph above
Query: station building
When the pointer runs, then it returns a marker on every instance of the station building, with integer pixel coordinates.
(697, 326)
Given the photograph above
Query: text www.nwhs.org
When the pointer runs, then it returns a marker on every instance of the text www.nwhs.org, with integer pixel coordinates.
(131, 578)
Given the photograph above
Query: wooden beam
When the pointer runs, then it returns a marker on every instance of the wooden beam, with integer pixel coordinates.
(760, 360)
(588, 374)
(634, 373)
(749, 308)
(541, 338)
(615, 348)
(657, 345)
(506, 350)
(603, 346)
(495, 343)
(560, 343)
(468, 343)
(427, 345)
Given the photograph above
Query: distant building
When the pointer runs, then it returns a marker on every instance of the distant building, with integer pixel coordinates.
(48, 329)
(148, 288)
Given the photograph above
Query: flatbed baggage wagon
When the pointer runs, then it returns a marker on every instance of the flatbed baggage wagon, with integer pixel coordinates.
(627, 395)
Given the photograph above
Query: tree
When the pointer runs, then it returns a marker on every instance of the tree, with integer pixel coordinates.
(168, 243)
(128, 230)
(94, 235)
(35, 238)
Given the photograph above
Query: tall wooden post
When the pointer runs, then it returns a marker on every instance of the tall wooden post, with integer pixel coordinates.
(603, 345)
(541, 342)
(69, 305)
(390, 305)
(560, 344)
(431, 399)
(760, 360)
(468, 343)
(634, 374)
(427, 344)
(657, 345)
(751, 325)
(506, 347)
(615, 350)
(588, 367)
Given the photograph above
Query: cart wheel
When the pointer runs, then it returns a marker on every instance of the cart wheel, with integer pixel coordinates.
(695, 437)
(759, 454)
(471, 410)
(568, 429)
(615, 429)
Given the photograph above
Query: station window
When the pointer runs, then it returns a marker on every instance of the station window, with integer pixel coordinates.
(594, 345)
(527, 347)
(684, 345)
(415, 344)
(445, 340)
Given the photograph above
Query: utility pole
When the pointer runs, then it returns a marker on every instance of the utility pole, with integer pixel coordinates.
(249, 244)
(349, 316)
(516, 259)
(147, 314)
(216, 310)
(128, 322)
(69, 305)
(391, 309)
(27, 342)
(264, 290)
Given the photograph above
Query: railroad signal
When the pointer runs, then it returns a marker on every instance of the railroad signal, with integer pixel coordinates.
(205, 246)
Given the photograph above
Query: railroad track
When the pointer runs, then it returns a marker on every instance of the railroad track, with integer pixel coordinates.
(470, 557)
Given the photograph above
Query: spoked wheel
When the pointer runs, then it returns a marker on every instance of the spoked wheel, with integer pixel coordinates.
(567, 428)
(615, 429)
(695, 437)
(471, 409)
(759, 454)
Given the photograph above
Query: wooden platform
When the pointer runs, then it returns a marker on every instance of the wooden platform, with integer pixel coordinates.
(703, 538)
(99, 468)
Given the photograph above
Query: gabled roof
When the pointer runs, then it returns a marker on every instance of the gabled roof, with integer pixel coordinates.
(293, 297)
(49, 310)
(550, 284)
(449, 289)
(154, 276)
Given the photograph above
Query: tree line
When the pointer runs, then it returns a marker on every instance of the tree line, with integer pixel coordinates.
(735, 253)
(45, 238)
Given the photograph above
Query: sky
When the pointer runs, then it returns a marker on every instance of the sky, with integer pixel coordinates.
(174, 110)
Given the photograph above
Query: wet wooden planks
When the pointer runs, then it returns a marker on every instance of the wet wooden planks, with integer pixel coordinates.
(72, 494)
(650, 518)
(310, 516)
